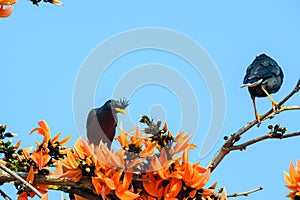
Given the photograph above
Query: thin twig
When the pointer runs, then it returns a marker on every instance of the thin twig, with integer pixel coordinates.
(83, 188)
(225, 149)
(267, 136)
(5, 196)
(245, 193)
(84, 183)
(17, 177)
(282, 109)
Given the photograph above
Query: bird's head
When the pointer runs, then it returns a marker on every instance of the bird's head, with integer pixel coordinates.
(117, 106)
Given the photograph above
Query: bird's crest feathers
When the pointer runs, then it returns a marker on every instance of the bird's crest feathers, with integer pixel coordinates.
(121, 103)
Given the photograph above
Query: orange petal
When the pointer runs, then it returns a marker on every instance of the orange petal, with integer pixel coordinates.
(293, 172)
(25, 152)
(78, 149)
(17, 145)
(55, 138)
(287, 178)
(292, 187)
(175, 188)
(224, 195)
(23, 196)
(202, 181)
(97, 185)
(65, 140)
(185, 156)
(57, 2)
(160, 170)
(8, 2)
(71, 159)
(122, 138)
(30, 176)
(207, 192)
(109, 183)
(135, 162)
(2, 162)
(149, 149)
(178, 136)
(182, 144)
(126, 181)
(58, 169)
(77, 197)
(192, 193)
(36, 129)
(127, 195)
(75, 174)
(45, 197)
(116, 176)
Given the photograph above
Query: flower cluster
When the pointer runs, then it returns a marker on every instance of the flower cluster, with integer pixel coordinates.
(152, 164)
(149, 166)
(292, 180)
(38, 161)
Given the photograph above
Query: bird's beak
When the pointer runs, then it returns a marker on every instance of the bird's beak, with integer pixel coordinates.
(243, 85)
(251, 84)
(120, 110)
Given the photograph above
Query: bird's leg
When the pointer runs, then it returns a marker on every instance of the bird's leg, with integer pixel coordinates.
(257, 116)
(274, 104)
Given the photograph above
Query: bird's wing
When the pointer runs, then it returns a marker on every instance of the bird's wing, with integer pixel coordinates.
(262, 70)
(91, 117)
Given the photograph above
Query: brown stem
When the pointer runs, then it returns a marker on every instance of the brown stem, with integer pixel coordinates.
(245, 193)
(19, 178)
(267, 136)
(4, 195)
(84, 183)
(83, 188)
(225, 149)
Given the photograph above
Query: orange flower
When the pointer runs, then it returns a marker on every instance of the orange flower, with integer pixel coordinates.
(8, 2)
(23, 196)
(123, 191)
(70, 163)
(44, 130)
(41, 188)
(122, 138)
(224, 195)
(45, 197)
(182, 143)
(84, 150)
(41, 158)
(6, 12)
(292, 180)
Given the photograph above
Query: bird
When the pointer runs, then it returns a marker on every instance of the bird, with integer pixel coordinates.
(263, 77)
(101, 122)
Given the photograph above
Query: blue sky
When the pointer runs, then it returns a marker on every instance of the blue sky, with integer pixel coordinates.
(43, 49)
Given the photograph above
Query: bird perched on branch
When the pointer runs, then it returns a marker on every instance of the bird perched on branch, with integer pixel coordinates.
(101, 122)
(263, 77)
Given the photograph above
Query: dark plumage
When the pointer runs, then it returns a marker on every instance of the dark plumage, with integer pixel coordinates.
(101, 122)
(263, 77)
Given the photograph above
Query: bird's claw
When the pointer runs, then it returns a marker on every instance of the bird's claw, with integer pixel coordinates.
(275, 107)
(258, 119)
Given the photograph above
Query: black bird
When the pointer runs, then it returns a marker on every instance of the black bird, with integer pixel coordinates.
(101, 122)
(263, 77)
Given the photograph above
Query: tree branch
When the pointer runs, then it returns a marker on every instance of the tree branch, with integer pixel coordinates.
(83, 188)
(17, 177)
(282, 109)
(84, 183)
(4, 195)
(245, 193)
(267, 136)
(225, 149)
